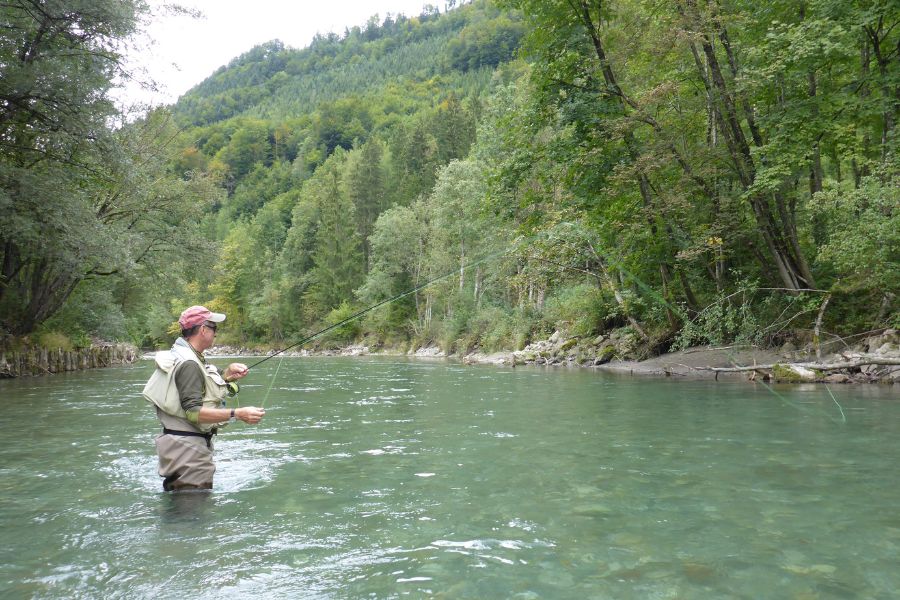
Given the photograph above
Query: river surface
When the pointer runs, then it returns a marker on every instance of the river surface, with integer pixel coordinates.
(385, 478)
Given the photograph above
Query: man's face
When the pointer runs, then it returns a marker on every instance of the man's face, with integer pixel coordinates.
(207, 335)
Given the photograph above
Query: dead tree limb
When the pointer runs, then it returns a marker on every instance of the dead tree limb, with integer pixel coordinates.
(850, 364)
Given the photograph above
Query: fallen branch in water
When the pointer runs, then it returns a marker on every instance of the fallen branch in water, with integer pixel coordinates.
(850, 364)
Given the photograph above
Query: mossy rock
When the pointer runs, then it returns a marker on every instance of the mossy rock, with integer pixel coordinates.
(567, 345)
(605, 354)
(794, 374)
(783, 373)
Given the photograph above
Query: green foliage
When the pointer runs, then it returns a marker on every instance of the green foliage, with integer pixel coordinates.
(637, 166)
(453, 330)
(365, 184)
(337, 259)
(485, 43)
(54, 340)
(92, 308)
(502, 329)
(248, 147)
(112, 212)
(732, 318)
(258, 188)
(57, 159)
(580, 310)
(863, 227)
(274, 82)
(345, 333)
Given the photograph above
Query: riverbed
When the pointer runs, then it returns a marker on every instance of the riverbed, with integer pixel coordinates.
(388, 477)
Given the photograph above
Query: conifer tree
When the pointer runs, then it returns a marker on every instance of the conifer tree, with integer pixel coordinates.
(337, 259)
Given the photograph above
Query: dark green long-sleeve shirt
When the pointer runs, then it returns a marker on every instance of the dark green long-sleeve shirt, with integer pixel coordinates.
(191, 383)
(189, 379)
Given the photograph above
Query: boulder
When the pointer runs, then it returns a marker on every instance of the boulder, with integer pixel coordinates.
(871, 369)
(568, 344)
(605, 354)
(793, 373)
(886, 348)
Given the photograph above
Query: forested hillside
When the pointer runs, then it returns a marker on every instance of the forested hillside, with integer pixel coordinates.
(684, 172)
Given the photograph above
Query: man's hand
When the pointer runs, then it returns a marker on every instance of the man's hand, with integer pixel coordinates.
(235, 371)
(249, 414)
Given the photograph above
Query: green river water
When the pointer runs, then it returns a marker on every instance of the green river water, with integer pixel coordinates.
(386, 478)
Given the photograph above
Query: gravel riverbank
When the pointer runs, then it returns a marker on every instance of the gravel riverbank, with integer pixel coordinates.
(876, 359)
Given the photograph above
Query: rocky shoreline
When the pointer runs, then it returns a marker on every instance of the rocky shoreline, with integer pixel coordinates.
(874, 360)
(35, 360)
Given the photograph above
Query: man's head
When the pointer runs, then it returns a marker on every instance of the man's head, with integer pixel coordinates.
(199, 321)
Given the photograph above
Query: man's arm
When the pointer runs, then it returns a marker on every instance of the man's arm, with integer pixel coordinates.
(189, 378)
(247, 414)
(189, 381)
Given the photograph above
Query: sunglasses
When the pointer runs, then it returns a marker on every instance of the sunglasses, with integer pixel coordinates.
(213, 327)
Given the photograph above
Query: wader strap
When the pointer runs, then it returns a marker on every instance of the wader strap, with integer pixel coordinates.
(206, 436)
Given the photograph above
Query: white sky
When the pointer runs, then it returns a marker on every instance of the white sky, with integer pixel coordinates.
(184, 51)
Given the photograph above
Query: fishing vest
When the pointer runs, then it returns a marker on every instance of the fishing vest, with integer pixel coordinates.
(163, 393)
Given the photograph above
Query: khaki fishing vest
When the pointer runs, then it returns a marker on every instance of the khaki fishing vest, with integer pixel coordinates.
(162, 391)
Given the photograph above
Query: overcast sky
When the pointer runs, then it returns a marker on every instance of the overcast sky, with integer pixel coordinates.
(184, 51)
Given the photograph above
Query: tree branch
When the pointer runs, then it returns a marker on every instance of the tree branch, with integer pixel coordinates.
(850, 364)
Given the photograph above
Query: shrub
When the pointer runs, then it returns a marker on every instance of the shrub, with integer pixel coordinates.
(502, 330)
(580, 309)
(345, 333)
(54, 340)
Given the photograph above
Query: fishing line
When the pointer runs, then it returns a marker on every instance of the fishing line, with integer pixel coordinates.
(271, 383)
(840, 408)
(802, 409)
(612, 262)
(361, 313)
(616, 264)
(369, 309)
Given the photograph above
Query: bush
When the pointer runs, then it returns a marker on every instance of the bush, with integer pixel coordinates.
(345, 333)
(863, 231)
(580, 310)
(90, 311)
(501, 330)
(54, 340)
(746, 317)
(454, 331)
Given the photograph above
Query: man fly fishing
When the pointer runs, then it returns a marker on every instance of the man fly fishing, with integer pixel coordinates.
(189, 395)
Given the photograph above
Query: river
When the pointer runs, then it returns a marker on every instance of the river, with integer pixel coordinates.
(386, 478)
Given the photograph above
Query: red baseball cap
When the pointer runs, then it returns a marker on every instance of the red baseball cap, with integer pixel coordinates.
(196, 315)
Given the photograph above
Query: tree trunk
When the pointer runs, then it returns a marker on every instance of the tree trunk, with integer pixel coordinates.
(780, 240)
(462, 265)
(631, 144)
(478, 276)
(891, 103)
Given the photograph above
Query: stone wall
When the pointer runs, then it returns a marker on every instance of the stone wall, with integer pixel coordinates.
(42, 361)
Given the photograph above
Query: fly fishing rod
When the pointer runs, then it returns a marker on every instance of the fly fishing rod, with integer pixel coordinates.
(369, 309)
